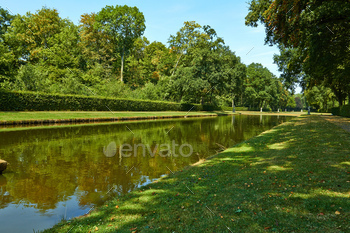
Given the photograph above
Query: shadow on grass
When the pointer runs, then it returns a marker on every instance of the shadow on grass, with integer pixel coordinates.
(293, 178)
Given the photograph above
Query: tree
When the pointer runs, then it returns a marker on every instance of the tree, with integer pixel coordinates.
(205, 67)
(135, 70)
(7, 59)
(290, 64)
(318, 29)
(235, 74)
(95, 43)
(29, 34)
(158, 61)
(5, 22)
(319, 97)
(123, 24)
(257, 85)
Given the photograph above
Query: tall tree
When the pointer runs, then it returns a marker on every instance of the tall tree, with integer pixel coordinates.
(95, 43)
(259, 85)
(200, 73)
(318, 29)
(124, 25)
(7, 58)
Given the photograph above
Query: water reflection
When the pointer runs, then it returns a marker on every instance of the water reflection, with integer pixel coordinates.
(83, 166)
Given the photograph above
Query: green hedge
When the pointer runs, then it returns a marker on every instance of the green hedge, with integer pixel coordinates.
(225, 108)
(33, 101)
(342, 111)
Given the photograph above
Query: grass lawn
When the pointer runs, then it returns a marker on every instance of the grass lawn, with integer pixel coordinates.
(293, 178)
(46, 115)
(56, 115)
(16, 117)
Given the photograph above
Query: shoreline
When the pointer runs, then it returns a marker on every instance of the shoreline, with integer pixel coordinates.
(102, 119)
(134, 116)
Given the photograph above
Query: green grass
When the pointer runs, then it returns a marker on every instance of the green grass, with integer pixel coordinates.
(293, 178)
(45, 115)
(60, 115)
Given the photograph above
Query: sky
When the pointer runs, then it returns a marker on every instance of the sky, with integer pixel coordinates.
(164, 18)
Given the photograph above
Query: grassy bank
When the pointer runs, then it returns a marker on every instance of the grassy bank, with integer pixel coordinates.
(17, 117)
(38, 117)
(293, 178)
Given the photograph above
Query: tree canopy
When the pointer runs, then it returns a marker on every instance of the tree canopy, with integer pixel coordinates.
(313, 34)
(43, 52)
(123, 25)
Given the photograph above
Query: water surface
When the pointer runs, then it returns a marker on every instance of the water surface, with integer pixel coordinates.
(62, 172)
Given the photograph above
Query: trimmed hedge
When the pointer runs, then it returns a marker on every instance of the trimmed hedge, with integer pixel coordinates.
(342, 111)
(225, 108)
(33, 101)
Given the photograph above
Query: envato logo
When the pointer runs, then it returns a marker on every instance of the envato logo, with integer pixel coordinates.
(163, 150)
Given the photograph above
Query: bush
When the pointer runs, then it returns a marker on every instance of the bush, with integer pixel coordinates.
(31, 78)
(32, 101)
(225, 108)
(342, 111)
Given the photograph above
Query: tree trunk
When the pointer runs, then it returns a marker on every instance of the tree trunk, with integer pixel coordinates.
(122, 66)
(233, 104)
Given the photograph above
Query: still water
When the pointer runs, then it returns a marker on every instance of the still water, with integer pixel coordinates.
(61, 172)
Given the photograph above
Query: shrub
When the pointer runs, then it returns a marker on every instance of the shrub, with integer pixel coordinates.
(342, 111)
(345, 111)
(32, 101)
(225, 108)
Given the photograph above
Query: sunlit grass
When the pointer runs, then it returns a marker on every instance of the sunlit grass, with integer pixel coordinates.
(56, 115)
(293, 178)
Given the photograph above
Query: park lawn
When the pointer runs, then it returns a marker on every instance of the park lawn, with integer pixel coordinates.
(293, 178)
(56, 115)
(62, 115)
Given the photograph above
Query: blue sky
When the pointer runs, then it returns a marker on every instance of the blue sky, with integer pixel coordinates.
(165, 18)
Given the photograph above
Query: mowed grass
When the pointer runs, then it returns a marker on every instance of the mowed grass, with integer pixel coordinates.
(293, 178)
(55, 115)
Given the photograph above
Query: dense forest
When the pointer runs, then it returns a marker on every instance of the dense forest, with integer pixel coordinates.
(107, 55)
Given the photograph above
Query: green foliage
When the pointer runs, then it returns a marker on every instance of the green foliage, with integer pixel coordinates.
(342, 111)
(225, 108)
(264, 90)
(34, 101)
(320, 97)
(42, 52)
(5, 21)
(123, 24)
(31, 78)
(313, 39)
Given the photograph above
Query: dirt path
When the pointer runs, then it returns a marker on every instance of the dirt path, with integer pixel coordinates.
(342, 122)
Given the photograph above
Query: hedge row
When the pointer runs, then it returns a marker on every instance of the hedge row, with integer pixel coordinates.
(33, 101)
(342, 111)
(225, 108)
